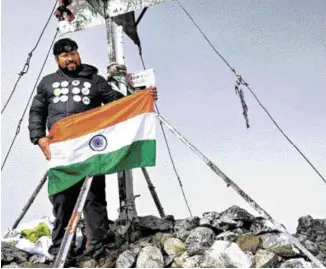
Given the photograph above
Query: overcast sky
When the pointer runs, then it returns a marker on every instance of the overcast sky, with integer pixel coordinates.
(279, 48)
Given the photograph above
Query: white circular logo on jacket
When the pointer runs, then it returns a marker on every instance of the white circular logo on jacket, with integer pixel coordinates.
(85, 91)
(75, 82)
(64, 83)
(63, 98)
(75, 90)
(55, 85)
(77, 98)
(87, 84)
(86, 100)
(56, 92)
(64, 90)
(56, 100)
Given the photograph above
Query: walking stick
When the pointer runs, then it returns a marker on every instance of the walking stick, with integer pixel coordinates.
(72, 225)
(30, 201)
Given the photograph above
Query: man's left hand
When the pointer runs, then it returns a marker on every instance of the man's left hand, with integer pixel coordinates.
(153, 92)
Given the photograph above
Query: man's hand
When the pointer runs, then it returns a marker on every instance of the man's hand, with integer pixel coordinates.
(153, 92)
(44, 145)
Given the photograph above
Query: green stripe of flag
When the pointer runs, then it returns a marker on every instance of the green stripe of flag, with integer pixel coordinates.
(139, 154)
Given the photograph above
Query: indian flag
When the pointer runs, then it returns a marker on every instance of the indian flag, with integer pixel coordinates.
(105, 140)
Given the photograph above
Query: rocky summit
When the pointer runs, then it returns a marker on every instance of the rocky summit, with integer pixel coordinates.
(232, 238)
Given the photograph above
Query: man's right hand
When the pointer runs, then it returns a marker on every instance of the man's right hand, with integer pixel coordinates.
(44, 145)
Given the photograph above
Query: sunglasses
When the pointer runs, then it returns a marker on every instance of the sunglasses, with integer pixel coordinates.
(66, 48)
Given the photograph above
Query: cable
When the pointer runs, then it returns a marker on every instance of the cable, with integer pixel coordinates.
(288, 139)
(168, 147)
(30, 97)
(26, 66)
(252, 92)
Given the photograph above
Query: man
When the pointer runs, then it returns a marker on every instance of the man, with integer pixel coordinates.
(74, 88)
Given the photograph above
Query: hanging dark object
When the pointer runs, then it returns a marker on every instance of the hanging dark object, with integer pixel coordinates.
(128, 23)
(62, 10)
(239, 92)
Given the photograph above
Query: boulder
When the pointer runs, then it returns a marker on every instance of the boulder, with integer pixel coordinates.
(296, 263)
(224, 254)
(150, 257)
(261, 225)
(227, 236)
(126, 259)
(173, 247)
(279, 244)
(187, 224)
(249, 242)
(10, 254)
(200, 239)
(151, 224)
(266, 259)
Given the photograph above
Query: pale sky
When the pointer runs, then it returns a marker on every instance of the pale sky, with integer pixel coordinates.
(279, 48)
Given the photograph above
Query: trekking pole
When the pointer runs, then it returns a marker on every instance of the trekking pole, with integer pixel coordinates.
(245, 196)
(72, 225)
(30, 201)
(153, 193)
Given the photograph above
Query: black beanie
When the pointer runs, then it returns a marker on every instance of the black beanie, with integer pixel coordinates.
(64, 45)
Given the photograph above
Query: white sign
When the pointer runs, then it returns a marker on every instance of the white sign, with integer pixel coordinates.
(118, 7)
(142, 79)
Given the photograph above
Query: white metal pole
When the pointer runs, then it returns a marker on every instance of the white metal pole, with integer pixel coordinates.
(71, 228)
(127, 205)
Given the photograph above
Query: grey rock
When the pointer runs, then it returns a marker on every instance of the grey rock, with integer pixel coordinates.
(173, 247)
(240, 231)
(11, 254)
(296, 263)
(34, 265)
(159, 239)
(322, 257)
(266, 259)
(311, 246)
(227, 236)
(152, 224)
(187, 224)
(184, 261)
(237, 213)
(279, 244)
(38, 259)
(322, 246)
(315, 229)
(212, 220)
(317, 232)
(249, 242)
(300, 237)
(261, 226)
(219, 222)
(304, 223)
(144, 242)
(200, 239)
(193, 262)
(150, 257)
(183, 235)
(12, 265)
(224, 254)
(126, 259)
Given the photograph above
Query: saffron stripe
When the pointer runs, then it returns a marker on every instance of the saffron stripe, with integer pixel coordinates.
(102, 117)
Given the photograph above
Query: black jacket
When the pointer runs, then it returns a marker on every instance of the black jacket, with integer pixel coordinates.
(59, 95)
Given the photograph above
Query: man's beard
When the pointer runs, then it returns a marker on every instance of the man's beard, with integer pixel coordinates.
(71, 72)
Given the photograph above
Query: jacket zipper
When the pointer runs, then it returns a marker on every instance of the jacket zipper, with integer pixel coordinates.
(67, 105)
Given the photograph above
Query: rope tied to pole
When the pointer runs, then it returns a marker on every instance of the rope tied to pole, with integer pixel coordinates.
(239, 92)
